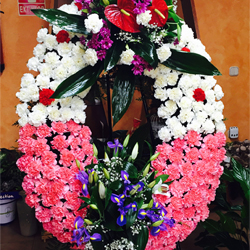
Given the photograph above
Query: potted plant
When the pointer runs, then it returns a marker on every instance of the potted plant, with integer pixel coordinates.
(11, 183)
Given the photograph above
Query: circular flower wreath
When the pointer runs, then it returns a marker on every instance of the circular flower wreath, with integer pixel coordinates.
(52, 135)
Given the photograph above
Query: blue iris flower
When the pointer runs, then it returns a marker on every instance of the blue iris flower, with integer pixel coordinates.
(118, 199)
(115, 145)
(125, 176)
(83, 177)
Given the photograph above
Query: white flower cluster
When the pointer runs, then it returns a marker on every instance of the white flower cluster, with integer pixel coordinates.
(55, 62)
(122, 244)
(179, 108)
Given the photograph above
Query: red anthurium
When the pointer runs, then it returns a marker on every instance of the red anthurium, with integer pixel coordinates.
(122, 15)
(159, 11)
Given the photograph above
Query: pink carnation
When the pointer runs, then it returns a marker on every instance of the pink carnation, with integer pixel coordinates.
(26, 145)
(67, 157)
(43, 131)
(48, 158)
(73, 127)
(43, 214)
(193, 138)
(59, 142)
(58, 127)
(27, 131)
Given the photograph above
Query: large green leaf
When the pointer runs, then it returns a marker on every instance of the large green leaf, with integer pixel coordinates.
(242, 175)
(147, 50)
(78, 82)
(212, 226)
(131, 170)
(191, 63)
(142, 238)
(69, 22)
(122, 93)
(113, 54)
(227, 222)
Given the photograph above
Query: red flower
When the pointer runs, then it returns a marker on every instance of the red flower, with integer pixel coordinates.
(62, 36)
(199, 95)
(44, 96)
(122, 15)
(159, 11)
(185, 49)
(79, 6)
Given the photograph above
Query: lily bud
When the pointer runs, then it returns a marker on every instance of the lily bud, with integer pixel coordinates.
(85, 11)
(106, 2)
(151, 203)
(145, 171)
(95, 150)
(125, 143)
(91, 178)
(157, 223)
(135, 151)
(89, 222)
(151, 184)
(153, 157)
(106, 173)
(102, 190)
(144, 206)
(93, 206)
(78, 164)
(96, 177)
(106, 157)
(134, 190)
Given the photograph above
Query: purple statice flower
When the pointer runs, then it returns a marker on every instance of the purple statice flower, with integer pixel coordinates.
(94, 42)
(139, 65)
(106, 43)
(176, 41)
(137, 69)
(140, 8)
(101, 54)
(82, 40)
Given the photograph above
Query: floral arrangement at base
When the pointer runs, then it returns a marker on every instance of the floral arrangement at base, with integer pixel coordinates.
(118, 202)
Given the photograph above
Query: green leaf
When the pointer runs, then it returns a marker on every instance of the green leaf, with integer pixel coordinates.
(115, 185)
(162, 177)
(236, 208)
(177, 19)
(208, 241)
(130, 169)
(123, 92)
(227, 222)
(147, 50)
(87, 200)
(245, 216)
(212, 226)
(78, 82)
(220, 199)
(113, 54)
(227, 175)
(242, 175)
(131, 217)
(95, 198)
(69, 22)
(142, 238)
(107, 198)
(191, 63)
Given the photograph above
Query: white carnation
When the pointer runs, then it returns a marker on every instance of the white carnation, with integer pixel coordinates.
(174, 94)
(27, 79)
(210, 97)
(220, 127)
(43, 81)
(67, 114)
(23, 95)
(77, 49)
(22, 109)
(56, 29)
(217, 116)
(209, 108)
(77, 103)
(39, 51)
(23, 120)
(186, 82)
(37, 118)
(45, 69)
(161, 94)
(60, 73)
(93, 23)
(201, 116)
(127, 57)
(185, 103)
(194, 125)
(164, 134)
(165, 111)
(163, 52)
(67, 62)
(218, 92)
(197, 106)
(65, 48)
(153, 73)
(208, 126)
(70, 8)
(50, 42)
(54, 84)
(79, 61)
(65, 102)
(144, 18)
(186, 115)
(41, 34)
(160, 81)
(54, 113)
(172, 78)
(163, 69)
(40, 108)
(187, 34)
(196, 81)
(33, 64)
(52, 58)
(219, 106)
(90, 57)
(80, 116)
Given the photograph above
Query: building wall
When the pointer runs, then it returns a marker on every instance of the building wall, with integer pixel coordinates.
(18, 40)
(224, 30)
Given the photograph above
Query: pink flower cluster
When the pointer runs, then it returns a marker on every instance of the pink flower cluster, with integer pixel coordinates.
(50, 183)
(193, 163)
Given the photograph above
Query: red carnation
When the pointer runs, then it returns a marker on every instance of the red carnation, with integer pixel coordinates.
(185, 49)
(79, 6)
(44, 96)
(62, 36)
(199, 95)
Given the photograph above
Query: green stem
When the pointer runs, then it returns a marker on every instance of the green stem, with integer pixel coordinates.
(159, 13)
(125, 12)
